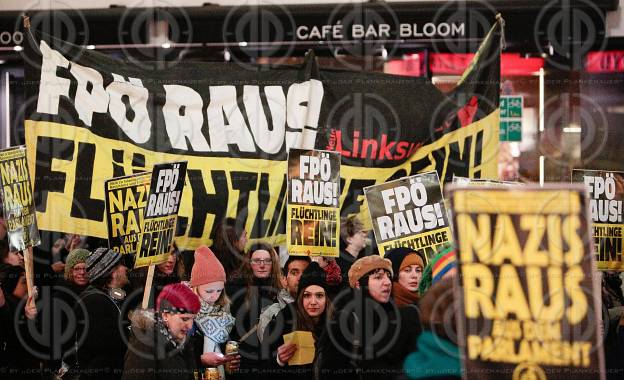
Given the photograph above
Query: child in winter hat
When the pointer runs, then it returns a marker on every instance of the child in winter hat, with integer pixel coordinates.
(214, 320)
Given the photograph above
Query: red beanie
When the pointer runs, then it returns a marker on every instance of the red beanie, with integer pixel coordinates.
(207, 267)
(178, 298)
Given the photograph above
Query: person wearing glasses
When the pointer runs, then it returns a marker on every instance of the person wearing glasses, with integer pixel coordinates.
(66, 293)
(255, 288)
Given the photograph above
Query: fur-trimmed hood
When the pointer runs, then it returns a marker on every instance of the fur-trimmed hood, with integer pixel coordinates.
(144, 319)
(153, 353)
(148, 323)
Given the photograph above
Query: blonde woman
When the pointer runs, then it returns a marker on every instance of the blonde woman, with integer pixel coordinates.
(214, 322)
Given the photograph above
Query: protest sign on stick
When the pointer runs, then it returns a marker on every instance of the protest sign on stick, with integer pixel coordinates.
(126, 198)
(410, 212)
(606, 192)
(313, 225)
(529, 304)
(18, 207)
(159, 218)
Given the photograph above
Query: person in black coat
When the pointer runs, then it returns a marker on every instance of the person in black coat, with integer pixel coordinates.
(65, 294)
(353, 239)
(370, 337)
(251, 290)
(160, 346)
(312, 309)
(101, 329)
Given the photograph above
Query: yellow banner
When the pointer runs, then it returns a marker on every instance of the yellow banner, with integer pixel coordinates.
(217, 187)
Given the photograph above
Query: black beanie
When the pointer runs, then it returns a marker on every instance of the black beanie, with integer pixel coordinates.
(9, 276)
(313, 275)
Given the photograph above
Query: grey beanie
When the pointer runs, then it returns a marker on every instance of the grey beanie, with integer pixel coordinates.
(101, 262)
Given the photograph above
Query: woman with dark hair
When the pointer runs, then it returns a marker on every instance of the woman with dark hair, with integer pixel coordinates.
(408, 267)
(229, 245)
(370, 337)
(253, 288)
(313, 308)
(10, 257)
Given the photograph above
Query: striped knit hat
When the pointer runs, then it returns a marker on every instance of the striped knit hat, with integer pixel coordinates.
(101, 262)
(445, 262)
(438, 266)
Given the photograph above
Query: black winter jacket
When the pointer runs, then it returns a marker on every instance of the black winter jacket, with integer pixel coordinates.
(153, 354)
(101, 335)
(367, 340)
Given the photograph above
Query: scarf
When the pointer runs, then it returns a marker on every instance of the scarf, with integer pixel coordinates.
(332, 273)
(164, 331)
(402, 296)
(434, 357)
(215, 322)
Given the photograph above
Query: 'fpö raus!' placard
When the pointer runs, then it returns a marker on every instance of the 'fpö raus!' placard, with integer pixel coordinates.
(313, 226)
(161, 213)
(606, 192)
(409, 212)
(126, 198)
(17, 196)
(529, 304)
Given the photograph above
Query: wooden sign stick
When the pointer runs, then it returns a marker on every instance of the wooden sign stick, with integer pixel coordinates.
(148, 286)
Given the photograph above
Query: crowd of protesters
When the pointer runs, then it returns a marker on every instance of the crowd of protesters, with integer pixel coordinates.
(370, 317)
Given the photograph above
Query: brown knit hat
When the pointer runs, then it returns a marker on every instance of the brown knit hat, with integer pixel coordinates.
(366, 264)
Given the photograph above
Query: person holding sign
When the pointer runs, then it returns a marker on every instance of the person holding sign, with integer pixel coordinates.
(313, 310)
(214, 321)
(370, 336)
(10, 257)
(159, 348)
(407, 266)
(13, 352)
(165, 274)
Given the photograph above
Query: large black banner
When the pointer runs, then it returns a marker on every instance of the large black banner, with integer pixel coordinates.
(92, 117)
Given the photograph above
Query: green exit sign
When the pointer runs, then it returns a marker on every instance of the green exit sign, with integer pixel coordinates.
(511, 117)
